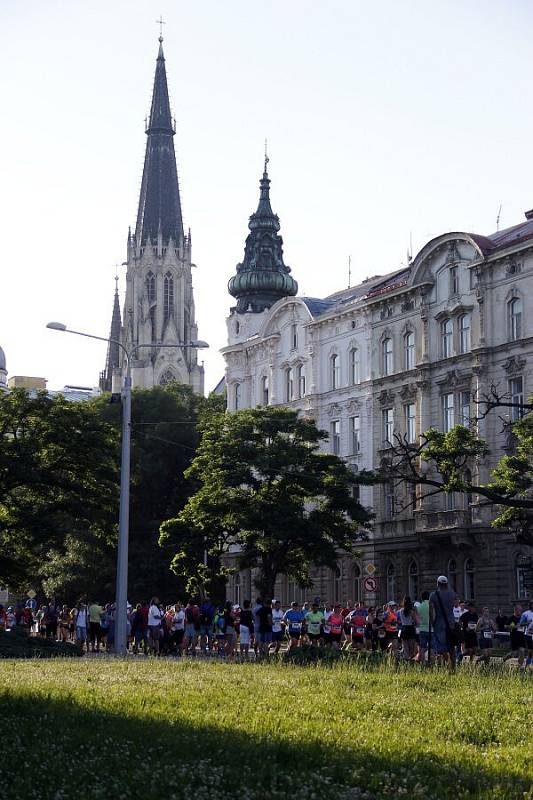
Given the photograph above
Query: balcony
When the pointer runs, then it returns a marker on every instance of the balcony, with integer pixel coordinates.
(442, 520)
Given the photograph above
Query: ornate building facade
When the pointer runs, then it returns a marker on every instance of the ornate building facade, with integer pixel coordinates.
(159, 312)
(398, 354)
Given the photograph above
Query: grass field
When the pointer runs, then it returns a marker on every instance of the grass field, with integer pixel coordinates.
(156, 729)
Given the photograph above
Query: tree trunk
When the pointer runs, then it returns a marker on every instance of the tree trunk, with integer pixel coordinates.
(266, 581)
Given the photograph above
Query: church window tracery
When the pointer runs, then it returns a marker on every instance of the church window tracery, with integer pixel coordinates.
(168, 297)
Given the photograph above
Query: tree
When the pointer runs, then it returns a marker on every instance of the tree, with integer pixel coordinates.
(266, 489)
(448, 462)
(58, 477)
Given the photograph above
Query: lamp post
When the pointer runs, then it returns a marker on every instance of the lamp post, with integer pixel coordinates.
(121, 611)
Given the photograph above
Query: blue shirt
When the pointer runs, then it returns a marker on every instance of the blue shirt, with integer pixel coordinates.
(294, 618)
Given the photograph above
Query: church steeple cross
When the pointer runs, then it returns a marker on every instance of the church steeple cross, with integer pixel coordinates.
(160, 22)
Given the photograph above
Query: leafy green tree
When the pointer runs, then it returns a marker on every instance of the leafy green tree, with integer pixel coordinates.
(267, 490)
(448, 462)
(58, 476)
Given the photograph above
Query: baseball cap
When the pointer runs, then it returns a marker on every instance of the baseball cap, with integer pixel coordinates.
(442, 579)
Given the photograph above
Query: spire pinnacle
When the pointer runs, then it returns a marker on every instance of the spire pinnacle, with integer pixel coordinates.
(266, 158)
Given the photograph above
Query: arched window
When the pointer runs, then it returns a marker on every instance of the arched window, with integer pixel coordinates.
(334, 371)
(355, 366)
(409, 350)
(289, 384)
(237, 396)
(386, 356)
(264, 390)
(356, 583)
(464, 333)
(237, 589)
(300, 377)
(150, 287)
(452, 574)
(391, 582)
(168, 297)
(469, 582)
(521, 574)
(446, 338)
(514, 314)
(412, 583)
(167, 377)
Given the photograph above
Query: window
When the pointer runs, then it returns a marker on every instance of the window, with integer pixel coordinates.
(409, 350)
(337, 584)
(237, 589)
(516, 392)
(387, 356)
(168, 297)
(334, 371)
(356, 583)
(301, 381)
(388, 425)
(410, 422)
(454, 280)
(391, 582)
(448, 420)
(150, 287)
(452, 574)
(412, 582)
(465, 409)
(450, 501)
(289, 384)
(469, 592)
(355, 435)
(294, 336)
(388, 490)
(335, 436)
(264, 390)
(355, 366)
(237, 328)
(514, 312)
(446, 338)
(522, 572)
(464, 333)
(237, 396)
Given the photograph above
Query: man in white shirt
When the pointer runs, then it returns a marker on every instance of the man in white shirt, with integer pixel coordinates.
(527, 621)
(81, 624)
(277, 625)
(178, 628)
(154, 624)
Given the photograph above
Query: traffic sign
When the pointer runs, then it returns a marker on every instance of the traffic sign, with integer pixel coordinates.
(370, 584)
(31, 594)
(370, 569)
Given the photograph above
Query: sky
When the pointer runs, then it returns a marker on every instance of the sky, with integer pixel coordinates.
(387, 122)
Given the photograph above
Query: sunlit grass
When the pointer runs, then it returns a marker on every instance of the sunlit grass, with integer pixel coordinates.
(157, 729)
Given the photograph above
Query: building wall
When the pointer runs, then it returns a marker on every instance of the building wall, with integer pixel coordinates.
(454, 306)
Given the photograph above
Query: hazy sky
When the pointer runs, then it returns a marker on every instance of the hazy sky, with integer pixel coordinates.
(382, 118)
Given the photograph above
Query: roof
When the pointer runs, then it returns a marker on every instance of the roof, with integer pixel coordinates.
(370, 287)
(506, 238)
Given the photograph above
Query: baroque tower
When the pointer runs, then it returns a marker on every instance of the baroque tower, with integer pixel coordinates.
(159, 306)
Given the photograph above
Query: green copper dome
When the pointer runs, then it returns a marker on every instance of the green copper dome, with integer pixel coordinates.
(262, 278)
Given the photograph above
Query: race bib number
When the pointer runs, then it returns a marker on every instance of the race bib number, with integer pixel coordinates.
(521, 628)
(296, 626)
(471, 626)
(360, 630)
(487, 634)
(381, 633)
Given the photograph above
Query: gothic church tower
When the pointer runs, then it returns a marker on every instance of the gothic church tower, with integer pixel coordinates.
(159, 305)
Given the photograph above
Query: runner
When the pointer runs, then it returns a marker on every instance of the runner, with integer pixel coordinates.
(177, 629)
(336, 627)
(357, 622)
(277, 625)
(207, 615)
(154, 625)
(192, 627)
(294, 619)
(469, 621)
(486, 628)
(441, 604)
(517, 636)
(95, 630)
(390, 623)
(256, 635)
(264, 616)
(246, 627)
(314, 620)
(527, 621)
(423, 627)
(408, 620)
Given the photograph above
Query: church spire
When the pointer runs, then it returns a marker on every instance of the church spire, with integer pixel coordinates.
(263, 277)
(159, 202)
(113, 349)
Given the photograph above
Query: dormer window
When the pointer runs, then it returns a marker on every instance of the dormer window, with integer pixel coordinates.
(454, 281)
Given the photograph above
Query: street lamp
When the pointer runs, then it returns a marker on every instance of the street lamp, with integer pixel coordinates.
(121, 612)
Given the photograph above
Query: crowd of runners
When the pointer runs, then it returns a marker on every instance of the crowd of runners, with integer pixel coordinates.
(438, 625)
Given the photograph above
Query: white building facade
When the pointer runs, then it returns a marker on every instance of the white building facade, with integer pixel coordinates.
(399, 354)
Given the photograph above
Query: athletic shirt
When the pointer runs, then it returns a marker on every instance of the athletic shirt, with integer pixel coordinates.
(357, 622)
(314, 620)
(277, 616)
(423, 613)
(390, 622)
(527, 620)
(178, 620)
(294, 618)
(406, 620)
(335, 623)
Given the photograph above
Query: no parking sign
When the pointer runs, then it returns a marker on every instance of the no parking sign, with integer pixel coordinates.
(370, 584)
